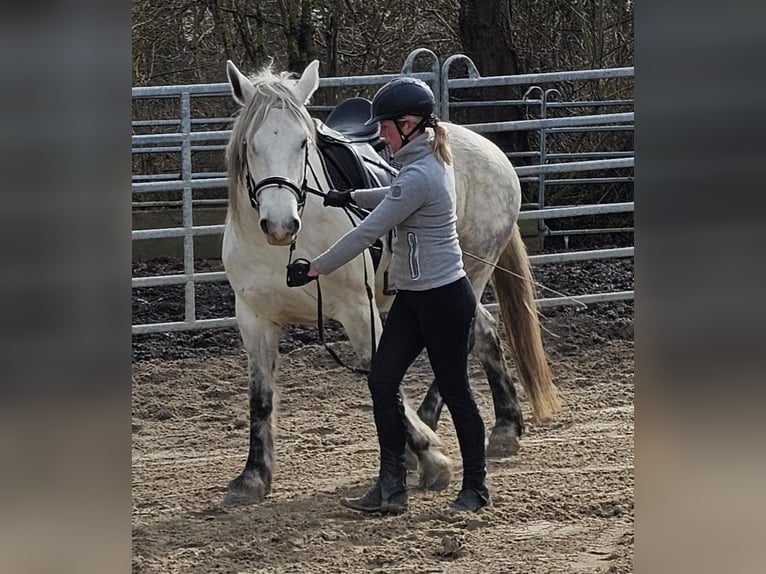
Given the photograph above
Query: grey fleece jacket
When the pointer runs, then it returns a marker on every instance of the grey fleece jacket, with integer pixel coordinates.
(420, 206)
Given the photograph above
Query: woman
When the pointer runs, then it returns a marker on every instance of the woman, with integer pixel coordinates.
(434, 306)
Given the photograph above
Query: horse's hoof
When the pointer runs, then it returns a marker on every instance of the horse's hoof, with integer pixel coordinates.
(435, 473)
(503, 442)
(436, 482)
(244, 490)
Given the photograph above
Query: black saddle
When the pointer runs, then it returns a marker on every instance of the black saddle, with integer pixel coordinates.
(348, 118)
(354, 155)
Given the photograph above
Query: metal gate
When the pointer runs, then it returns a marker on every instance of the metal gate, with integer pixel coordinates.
(190, 134)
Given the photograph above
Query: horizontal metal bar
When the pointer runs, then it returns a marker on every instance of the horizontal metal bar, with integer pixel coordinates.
(212, 135)
(176, 177)
(581, 255)
(493, 307)
(157, 280)
(589, 103)
(208, 183)
(594, 129)
(549, 123)
(589, 180)
(592, 298)
(515, 154)
(178, 203)
(556, 212)
(161, 149)
(177, 149)
(493, 103)
(590, 154)
(576, 300)
(221, 89)
(340, 82)
(183, 326)
(595, 231)
(156, 177)
(523, 79)
(177, 232)
(567, 167)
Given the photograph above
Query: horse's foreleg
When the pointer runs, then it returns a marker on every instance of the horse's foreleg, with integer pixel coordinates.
(357, 321)
(509, 422)
(261, 340)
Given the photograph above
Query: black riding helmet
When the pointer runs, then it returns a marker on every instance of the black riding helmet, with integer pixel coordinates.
(404, 97)
(401, 97)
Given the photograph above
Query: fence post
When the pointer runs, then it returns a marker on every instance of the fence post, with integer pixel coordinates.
(473, 73)
(190, 311)
(408, 69)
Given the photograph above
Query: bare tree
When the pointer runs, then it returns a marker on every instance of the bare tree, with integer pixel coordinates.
(487, 38)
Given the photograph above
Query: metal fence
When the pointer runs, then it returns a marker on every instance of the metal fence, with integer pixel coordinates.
(189, 134)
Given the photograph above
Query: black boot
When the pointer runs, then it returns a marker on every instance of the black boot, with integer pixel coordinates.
(388, 496)
(474, 495)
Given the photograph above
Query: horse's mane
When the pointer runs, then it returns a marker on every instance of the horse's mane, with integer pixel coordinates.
(271, 90)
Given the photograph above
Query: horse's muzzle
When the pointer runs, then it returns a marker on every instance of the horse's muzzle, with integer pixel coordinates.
(280, 234)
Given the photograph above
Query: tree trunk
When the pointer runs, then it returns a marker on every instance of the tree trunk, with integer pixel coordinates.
(298, 30)
(486, 36)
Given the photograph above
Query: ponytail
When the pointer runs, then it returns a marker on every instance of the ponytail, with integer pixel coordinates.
(440, 143)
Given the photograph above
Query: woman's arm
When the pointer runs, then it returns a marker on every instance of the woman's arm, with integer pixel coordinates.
(395, 208)
(369, 198)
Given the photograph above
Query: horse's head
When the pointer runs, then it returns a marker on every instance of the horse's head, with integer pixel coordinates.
(269, 148)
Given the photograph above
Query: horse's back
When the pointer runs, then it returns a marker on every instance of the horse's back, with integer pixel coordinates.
(488, 192)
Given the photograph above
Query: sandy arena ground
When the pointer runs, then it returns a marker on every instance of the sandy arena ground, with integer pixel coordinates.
(564, 504)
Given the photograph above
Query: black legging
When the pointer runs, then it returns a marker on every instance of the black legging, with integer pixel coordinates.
(440, 320)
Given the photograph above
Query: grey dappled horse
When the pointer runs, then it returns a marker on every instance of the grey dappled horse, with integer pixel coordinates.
(272, 159)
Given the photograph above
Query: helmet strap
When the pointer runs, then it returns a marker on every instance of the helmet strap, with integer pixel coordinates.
(418, 128)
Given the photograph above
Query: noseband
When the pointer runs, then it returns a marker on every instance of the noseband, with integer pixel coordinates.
(254, 189)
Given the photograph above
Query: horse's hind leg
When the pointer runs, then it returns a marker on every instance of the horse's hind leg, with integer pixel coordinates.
(430, 409)
(509, 422)
(261, 340)
(435, 466)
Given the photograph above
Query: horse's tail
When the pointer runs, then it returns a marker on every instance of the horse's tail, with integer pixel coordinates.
(518, 311)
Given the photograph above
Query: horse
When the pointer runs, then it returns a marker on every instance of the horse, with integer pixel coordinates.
(272, 161)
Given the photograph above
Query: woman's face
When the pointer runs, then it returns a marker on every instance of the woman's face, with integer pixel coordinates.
(390, 134)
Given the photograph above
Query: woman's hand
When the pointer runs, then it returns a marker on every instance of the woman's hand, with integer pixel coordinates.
(335, 198)
(300, 272)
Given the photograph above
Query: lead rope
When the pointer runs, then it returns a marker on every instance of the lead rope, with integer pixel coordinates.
(535, 283)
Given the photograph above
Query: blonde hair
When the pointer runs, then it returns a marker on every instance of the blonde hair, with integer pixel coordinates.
(440, 142)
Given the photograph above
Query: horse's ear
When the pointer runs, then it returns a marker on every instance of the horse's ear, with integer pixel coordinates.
(308, 83)
(241, 87)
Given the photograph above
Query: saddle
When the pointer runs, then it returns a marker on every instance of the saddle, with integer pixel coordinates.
(354, 155)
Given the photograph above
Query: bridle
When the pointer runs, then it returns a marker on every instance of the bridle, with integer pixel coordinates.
(254, 189)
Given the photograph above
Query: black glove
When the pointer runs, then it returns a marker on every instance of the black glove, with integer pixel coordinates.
(297, 273)
(335, 198)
